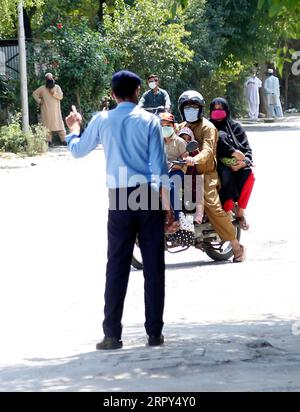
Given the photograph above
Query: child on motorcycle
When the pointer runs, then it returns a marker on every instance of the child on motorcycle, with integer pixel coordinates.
(197, 182)
(176, 150)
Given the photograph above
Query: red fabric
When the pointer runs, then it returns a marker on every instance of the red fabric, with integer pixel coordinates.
(228, 205)
(246, 191)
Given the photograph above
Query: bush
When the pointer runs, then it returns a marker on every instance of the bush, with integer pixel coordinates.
(36, 140)
(12, 138)
(81, 61)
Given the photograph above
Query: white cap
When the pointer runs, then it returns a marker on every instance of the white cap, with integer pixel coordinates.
(188, 131)
(270, 71)
(48, 75)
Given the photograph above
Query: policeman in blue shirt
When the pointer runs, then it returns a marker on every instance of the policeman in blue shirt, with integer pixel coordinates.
(136, 174)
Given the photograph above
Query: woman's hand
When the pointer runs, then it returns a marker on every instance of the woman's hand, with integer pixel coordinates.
(240, 165)
(238, 155)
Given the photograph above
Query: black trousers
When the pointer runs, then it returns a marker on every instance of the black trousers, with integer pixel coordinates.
(124, 226)
(232, 183)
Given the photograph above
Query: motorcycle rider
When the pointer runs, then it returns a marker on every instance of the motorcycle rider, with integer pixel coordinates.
(191, 106)
(234, 161)
(155, 96)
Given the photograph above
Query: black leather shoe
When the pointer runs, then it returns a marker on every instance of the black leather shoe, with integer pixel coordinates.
(109, 343)
(156, 340)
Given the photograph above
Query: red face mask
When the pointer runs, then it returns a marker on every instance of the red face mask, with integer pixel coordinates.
(218, 114)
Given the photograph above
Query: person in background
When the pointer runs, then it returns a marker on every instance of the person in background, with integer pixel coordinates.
(155, 96)
(234, 156)
(252, 87)
(272, 90)
(135, 155)
(48, 98)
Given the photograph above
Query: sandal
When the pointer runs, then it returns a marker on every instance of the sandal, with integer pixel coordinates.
(239, 255)
(244, 225)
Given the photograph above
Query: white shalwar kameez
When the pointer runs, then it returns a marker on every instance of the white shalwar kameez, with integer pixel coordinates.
(272, 90)
(252, 86)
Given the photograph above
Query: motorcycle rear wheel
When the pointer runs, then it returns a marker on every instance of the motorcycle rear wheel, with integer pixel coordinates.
(225, 253)
(218, 255)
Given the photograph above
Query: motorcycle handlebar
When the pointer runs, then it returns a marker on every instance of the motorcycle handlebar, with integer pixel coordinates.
(179, 162)
(155, 110)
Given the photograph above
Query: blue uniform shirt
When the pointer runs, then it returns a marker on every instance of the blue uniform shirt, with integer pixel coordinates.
(132, 143)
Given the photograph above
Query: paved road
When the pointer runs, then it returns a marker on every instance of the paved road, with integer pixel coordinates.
(228, 326)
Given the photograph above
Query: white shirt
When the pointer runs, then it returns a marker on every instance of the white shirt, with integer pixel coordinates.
(272, 85)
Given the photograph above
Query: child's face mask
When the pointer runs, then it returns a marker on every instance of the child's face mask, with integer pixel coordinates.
(167, 131)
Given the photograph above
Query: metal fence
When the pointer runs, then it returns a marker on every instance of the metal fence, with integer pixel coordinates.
(9, 58)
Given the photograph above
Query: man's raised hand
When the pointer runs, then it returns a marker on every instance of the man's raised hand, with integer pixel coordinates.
(74, 120)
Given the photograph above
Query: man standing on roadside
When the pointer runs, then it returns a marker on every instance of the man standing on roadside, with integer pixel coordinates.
(252, 87)
(134, 151)
(272, 90)
(48, 98)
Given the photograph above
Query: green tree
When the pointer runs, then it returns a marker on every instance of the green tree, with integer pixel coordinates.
(8, 15)
(147, 40)
(81, 61)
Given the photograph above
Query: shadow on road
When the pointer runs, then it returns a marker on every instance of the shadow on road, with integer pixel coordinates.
(188, 265)
(247, 356)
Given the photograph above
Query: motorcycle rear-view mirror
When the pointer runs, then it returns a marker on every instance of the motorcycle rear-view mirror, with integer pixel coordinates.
(192, 146)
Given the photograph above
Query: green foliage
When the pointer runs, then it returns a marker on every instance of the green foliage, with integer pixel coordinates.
(207, 45)
(147, 41)
(55, 12)
(81, 61)
(8, 15)
(7, 91)
(12, 138)
(276, 7)
(211, 70)
(287, 13)
(36, 140)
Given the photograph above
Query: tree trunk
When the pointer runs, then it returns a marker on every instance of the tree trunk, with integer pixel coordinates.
(27, 25)
(77, 95)
(286, 86)
(100, 10)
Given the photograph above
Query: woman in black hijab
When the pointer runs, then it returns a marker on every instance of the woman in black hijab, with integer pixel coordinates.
(234, 156)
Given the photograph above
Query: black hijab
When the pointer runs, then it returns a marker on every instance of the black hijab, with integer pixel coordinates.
(227, 125)
(235, 132)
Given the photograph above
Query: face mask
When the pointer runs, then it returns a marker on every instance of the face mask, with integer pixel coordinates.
(152, 85)
(218, 114)
(191, 114)
(167, 131)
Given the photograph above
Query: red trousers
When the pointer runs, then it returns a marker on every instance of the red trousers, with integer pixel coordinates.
(244, 196)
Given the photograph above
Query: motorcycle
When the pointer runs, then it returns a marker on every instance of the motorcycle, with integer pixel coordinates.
(200, 236)
(155, 110)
